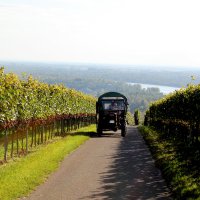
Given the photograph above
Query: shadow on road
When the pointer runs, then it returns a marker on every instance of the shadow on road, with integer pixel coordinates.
(132, 174)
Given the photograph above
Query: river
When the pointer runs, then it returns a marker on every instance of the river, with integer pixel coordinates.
(163, 89)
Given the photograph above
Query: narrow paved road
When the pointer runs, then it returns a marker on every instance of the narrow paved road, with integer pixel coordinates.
(106, 168)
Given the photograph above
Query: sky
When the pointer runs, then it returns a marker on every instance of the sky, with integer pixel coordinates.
(134, 32)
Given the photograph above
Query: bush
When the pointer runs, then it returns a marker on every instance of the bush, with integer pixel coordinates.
(137, 117)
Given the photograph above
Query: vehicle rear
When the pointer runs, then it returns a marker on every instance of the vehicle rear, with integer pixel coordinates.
(111, 113)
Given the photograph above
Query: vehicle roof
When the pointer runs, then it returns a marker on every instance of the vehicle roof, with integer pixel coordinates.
(112, 95)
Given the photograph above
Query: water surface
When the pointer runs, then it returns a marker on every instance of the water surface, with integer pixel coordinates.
(162, 88)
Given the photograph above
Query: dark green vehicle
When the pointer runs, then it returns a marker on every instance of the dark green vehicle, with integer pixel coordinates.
(111, 110)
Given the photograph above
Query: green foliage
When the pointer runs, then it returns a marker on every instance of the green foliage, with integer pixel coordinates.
(180, 173)
(176, 119)
(178, 114)
(25, 100)
(129, 118)
(180, 105)
(32, 112)
(137, 117)
(146, 118)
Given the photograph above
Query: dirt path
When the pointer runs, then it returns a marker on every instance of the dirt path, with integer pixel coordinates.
(106, 168)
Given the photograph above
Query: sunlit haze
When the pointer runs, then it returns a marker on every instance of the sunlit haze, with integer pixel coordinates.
(156, 33)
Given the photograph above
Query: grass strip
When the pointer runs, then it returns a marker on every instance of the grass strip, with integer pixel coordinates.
(19, 178)
(183, 184)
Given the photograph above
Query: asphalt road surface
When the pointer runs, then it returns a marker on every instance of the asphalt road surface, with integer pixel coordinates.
(106, 168)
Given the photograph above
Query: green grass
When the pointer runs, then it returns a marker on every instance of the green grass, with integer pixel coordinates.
(19, 178)
(181, 178)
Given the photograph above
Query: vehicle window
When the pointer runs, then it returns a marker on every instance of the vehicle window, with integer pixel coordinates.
(113, 105)
(121, 105)
(106, 105)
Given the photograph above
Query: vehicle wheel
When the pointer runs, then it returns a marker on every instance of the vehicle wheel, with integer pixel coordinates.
(123, 131)
(99, 132)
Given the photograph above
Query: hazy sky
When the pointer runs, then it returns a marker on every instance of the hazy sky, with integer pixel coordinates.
(145, 32)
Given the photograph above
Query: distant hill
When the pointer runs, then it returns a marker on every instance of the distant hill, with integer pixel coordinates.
(147, 75)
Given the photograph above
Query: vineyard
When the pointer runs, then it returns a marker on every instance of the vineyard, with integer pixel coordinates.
(32, 113)
(178, 115)
(176, 120)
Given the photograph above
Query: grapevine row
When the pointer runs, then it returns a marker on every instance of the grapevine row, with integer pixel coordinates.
(177, 114)
(31, 112)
